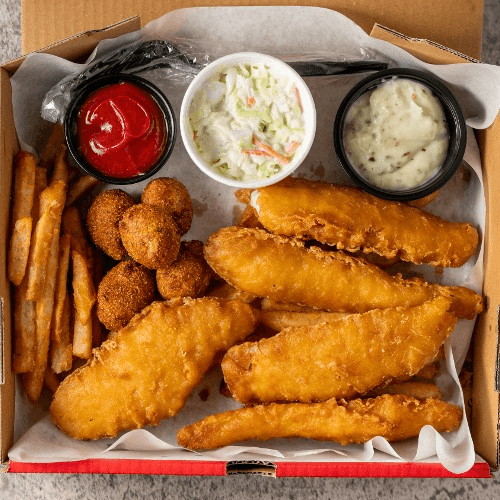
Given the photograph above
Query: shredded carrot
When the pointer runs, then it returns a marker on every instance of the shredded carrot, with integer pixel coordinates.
(299, 100)
(250, 101)
(283, 160)
(292, 147)
(257, 152)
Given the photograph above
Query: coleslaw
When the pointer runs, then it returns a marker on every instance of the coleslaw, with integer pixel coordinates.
(247, 121)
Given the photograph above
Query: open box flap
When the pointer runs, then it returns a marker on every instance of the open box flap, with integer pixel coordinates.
(453, 23)
(77, 47)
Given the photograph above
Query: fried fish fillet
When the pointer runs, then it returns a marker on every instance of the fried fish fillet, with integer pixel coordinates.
(394, 417)
(352, 219)
(413, 388)
(284, 270)
(147, 370)
(339, 359)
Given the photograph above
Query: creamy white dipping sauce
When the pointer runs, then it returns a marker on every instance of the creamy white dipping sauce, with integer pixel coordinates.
(396, 136)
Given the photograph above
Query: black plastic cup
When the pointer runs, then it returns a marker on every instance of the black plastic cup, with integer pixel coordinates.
(457, 133)
(70, 125)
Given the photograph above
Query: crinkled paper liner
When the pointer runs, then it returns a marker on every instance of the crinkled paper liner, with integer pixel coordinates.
(295, 36)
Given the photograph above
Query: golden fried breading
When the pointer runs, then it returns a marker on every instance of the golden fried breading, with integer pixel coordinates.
(279, 320)
(224, 290)
(124, 291)
(284, 270)
(394, 417)
(249, 218)
(150, 236)
(352, 219)
(172, 196)
(147, 370)
(412, 388)
(188, 276)
(340, 359)
(103, 217)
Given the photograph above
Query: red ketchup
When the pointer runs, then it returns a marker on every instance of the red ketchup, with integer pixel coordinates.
(121, 130)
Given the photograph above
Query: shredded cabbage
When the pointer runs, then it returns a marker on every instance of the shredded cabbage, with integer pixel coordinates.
(247, 121)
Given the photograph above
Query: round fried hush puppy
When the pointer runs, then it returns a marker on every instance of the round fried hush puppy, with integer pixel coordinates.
(172, 196)
(150, 236)
(188, 276)
(126, 290)
(103, 217)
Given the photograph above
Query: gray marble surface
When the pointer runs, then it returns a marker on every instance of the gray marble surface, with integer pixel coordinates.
(70, 486)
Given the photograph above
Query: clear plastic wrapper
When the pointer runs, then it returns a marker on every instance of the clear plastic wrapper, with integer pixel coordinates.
(179, 61)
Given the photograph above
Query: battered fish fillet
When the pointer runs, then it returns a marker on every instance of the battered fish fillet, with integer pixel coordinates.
(148, 369)
(352, 219)
(413, 388)
(394, 417)
(340, 359)
(284, 270)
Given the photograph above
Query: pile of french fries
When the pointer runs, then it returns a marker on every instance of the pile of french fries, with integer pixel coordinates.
(54, 269)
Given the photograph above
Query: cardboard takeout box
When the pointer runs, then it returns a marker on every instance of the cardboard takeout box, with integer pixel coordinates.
(48, 21)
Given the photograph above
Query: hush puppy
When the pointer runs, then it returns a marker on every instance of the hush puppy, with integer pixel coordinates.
(150, 236)
(103, 217)
(170, 195)
(188, 276)
(125, 290)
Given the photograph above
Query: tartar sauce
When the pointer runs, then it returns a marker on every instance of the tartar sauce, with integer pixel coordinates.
(396, 136)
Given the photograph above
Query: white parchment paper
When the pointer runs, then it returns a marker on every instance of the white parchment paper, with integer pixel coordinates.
(289, 33)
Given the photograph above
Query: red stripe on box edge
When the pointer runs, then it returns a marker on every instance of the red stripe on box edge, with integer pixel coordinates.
(378, 469)
(283, 469)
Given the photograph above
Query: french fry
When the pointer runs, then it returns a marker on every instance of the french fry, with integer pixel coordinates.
(83, 288)
(50, 380)
(61, 165)
(72, 224)
(23, 359)
(24, 185)
(96, 329)
(79, 187)
(53, 144)
(61, 349)
(97, 275)
(39, 254)
(61, 286)
(33, 381)
(24, 192)
(54, 192)
(52, 200)
(82, 339)
(40, 185)
(278, 320)
(271, 305)
(19, 249)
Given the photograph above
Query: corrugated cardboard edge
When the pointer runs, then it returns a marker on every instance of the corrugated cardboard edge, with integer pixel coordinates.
(8, 149)
(485, 399)
(74, 47)
(426, 50)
